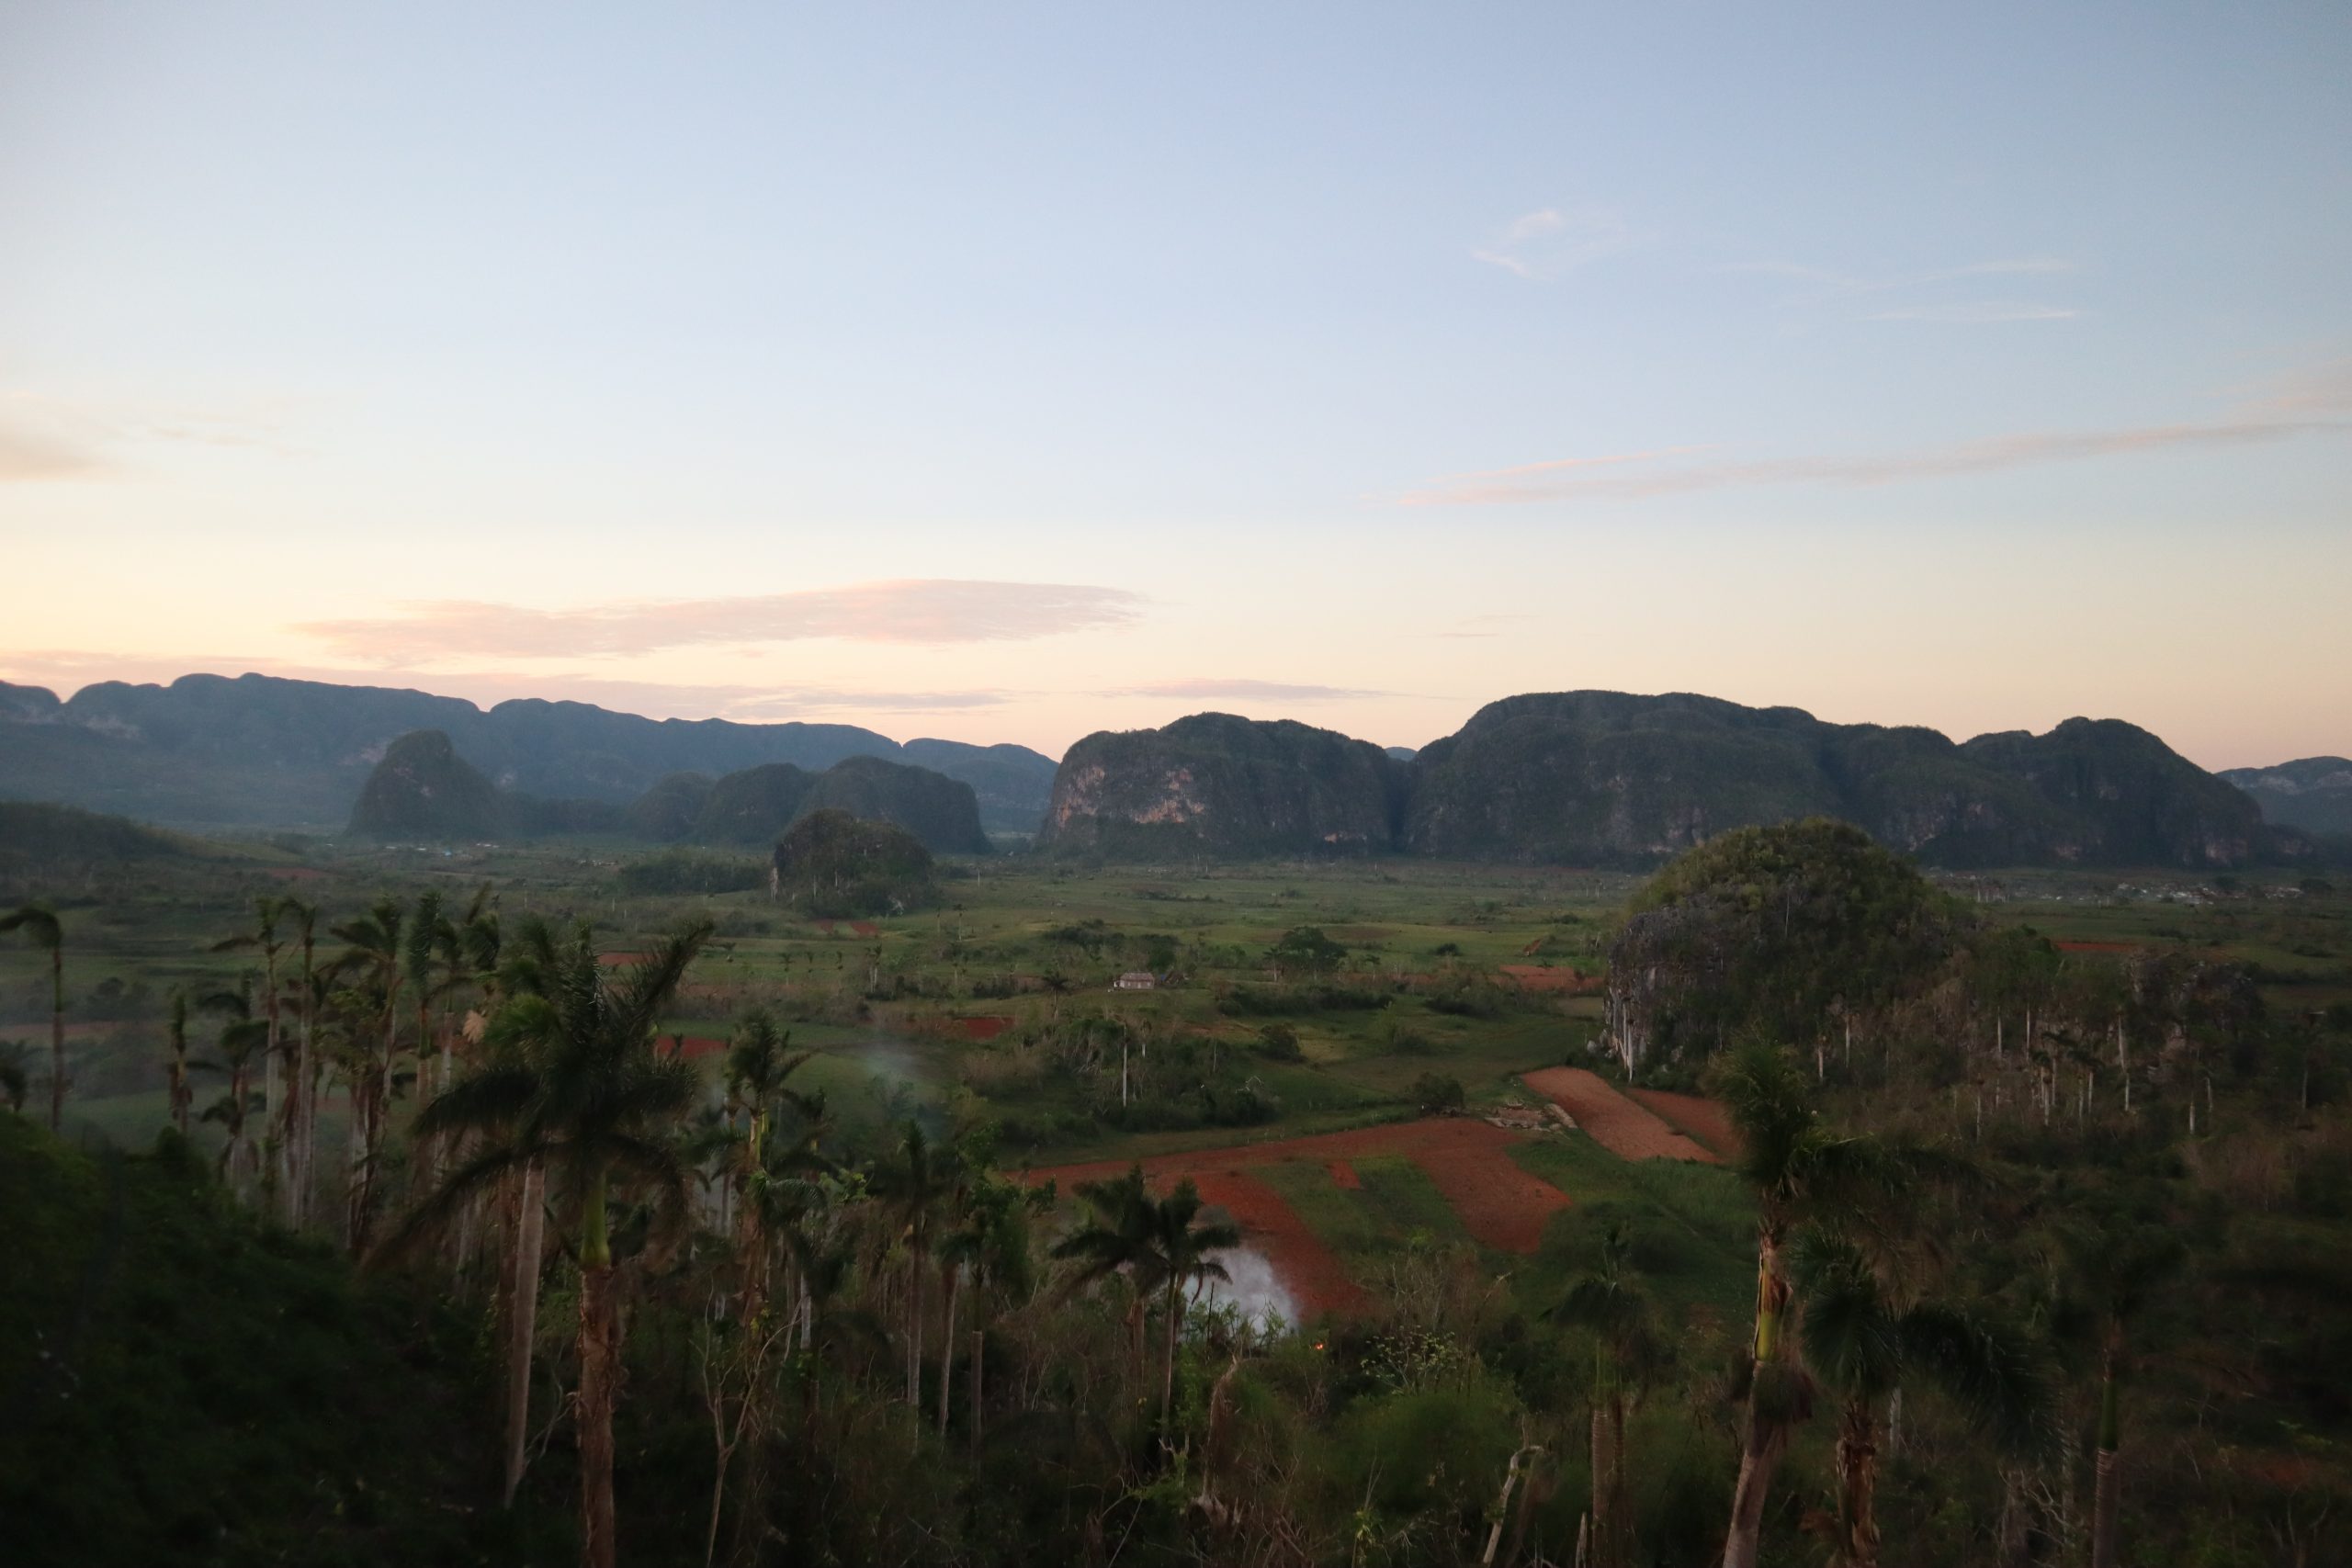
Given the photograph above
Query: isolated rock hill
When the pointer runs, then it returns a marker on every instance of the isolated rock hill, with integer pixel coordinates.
(422, 789)
(2314, 795)
(836, 866)
(1217, 785)
(210, 750)
(1603, 778)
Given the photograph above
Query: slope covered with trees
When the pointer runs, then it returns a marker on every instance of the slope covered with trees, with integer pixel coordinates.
(1603, 778)
(422, 789)
(1215, 785)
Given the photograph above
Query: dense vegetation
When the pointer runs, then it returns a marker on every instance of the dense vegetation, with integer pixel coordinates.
(828, 1322)
(422, 789)
(1599, 777)
(1217, 785)
(836, 866)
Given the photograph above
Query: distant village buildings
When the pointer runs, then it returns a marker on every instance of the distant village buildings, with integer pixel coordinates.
(1135, 980)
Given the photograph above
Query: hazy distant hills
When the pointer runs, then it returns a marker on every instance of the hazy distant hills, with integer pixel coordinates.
(207, 749)
(2314, 795)
(1606, 778)
(422, 789)
(1571, 777)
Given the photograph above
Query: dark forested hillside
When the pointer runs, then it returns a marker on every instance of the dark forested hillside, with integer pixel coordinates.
(2314, 795)
(209, 749)
(422, 789)
(1217, 785)
(1603, 778)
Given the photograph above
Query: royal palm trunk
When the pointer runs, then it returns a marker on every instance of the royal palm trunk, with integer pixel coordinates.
(2107, 1473)
(1766, 1439)
(523, 1317)
(599, 1382)
(1858, 1484)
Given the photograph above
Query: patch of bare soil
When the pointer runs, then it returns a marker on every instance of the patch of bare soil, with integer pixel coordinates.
(1500, 1204)
(1695, 1115)
(1615, 1123)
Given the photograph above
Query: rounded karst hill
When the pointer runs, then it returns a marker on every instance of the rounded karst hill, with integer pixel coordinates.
(836, 866)
(422, 789)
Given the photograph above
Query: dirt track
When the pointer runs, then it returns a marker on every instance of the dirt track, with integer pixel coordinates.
(1625, 1129)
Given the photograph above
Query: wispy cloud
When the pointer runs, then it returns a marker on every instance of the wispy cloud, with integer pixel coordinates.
(1828, 287)
(1547, 244)
(925, 610)
(1534, 485)
(28, 455)
(1212, 686)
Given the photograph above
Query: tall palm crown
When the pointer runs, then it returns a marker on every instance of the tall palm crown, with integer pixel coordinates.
(572, 1079)
(573, 1086)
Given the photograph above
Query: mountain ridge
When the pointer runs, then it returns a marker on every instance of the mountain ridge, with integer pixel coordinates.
(1613, 778)
(217, 751)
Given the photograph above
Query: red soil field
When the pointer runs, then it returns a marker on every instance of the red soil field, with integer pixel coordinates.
(294, 872)
(1700, 1118)
(697, 1046)
(865, 928)
(1500, 1205)
(2082, 945)
(1344, 1175)
(985, 1027)
(1615, 1123)
(1311, 1272)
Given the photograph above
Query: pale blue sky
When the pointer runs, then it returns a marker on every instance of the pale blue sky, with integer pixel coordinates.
(1974, 366)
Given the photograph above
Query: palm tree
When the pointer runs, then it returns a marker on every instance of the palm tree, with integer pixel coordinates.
(1797, 1168)
(267, 911)
(42, 928)
(1861, 1338)
(374, 949)
(241, 1036)
(1610, 1305)
(575, 1088)
(1159, 1246)
(183, 1095)
(1115, 1241)
(297, 1116)
(2118, 1272)
(989, 1244)
(757, 1065)
(913, 1184)
(1183, 1244)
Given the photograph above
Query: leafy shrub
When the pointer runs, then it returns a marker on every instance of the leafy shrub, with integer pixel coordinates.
(1439, 1094)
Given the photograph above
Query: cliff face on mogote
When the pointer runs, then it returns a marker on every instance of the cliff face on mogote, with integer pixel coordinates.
(2314, 795)
(207, 750)
(1215, 785)
(1602, 778)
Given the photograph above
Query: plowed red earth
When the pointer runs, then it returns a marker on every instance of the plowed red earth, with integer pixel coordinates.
(1500, 1205)
(1613, 1122)
(985, 1026)
(1700, 1118)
